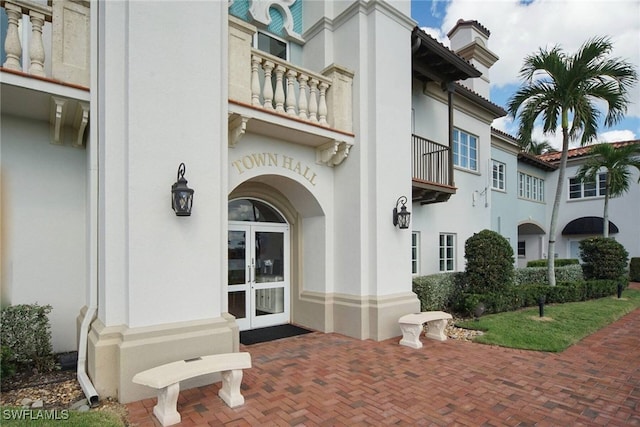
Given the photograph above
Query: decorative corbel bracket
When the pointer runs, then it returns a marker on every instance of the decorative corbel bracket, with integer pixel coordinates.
(332, 153)
(80, 123)
(237, 128)
(56, 120)
(343, 153)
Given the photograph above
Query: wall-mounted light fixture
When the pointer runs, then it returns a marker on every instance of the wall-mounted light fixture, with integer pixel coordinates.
(181, 195)
(402, 218)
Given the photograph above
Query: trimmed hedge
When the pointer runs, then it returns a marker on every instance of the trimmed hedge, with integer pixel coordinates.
(516, 297)
(441, 291)
(558, 262)
(634, 269)
(529, 275)
(438, 291)
(489, 261)
(603, 258)
(25, 330)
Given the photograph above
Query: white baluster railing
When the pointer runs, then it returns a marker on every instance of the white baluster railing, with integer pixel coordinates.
(38, 14)
(298, 92)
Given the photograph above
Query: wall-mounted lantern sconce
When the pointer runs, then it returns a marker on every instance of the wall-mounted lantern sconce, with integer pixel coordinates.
(402, 218)
(181, 195)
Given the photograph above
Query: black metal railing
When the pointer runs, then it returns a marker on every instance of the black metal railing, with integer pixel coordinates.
(430, 161)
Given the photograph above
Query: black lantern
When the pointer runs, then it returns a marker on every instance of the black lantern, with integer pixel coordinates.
(402, 218)
(181, 195)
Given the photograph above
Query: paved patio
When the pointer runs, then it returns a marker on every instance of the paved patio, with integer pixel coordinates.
(333, 380)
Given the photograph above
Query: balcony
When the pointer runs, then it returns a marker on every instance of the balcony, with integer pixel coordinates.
(45, 75)
(431, 171)
(273, 97)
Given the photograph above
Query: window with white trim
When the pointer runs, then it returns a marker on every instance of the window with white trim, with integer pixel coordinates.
(522, 249)
(498, 175)
(465, 150)
(530, 187)
(447, 252)
(584, 189)
(415, 252)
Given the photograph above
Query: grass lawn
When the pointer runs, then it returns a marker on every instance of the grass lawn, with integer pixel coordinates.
(562, 325)
(14, 416)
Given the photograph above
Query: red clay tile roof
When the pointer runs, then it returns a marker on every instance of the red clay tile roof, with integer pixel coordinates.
(582, 151)
(473, 23)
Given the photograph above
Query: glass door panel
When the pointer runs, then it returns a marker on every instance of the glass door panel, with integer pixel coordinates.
(238, 279)
(258, 270)
(270, 287)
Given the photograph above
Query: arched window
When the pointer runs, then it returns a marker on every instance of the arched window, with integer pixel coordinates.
(251, 210)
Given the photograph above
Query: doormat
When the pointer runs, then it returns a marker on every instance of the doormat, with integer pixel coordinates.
(271, 333)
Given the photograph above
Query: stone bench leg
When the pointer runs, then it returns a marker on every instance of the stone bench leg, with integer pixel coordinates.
(166, 411)
(411, 335)
(435, 330)
(230, 390)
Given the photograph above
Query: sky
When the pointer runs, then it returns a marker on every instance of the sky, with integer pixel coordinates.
(521, 27)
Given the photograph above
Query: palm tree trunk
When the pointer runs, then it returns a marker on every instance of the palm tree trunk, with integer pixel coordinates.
(551, 270)
(605, 215)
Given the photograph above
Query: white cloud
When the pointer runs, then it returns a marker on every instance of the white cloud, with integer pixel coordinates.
(518, 30)
(616, 135)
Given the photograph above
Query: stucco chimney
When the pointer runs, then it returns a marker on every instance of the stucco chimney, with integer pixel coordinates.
(470, 39)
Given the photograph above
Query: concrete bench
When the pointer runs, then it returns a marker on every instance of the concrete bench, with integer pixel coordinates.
(166, 378)
(413, 324)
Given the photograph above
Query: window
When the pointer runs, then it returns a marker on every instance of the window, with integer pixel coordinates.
(415, 253)
(465, 150)
(447, 252)
(580, 190)
(530, 187)
(522, 249)
(498, 174)
(272, 45)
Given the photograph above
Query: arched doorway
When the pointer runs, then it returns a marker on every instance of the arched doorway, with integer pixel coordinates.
(258, 264)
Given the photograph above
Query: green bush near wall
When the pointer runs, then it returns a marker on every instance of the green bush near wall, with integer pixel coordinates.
(603, 258)
(489, 261)
(25, 330)
(442, 291)
(634, 269)
(538, 275)
(438, 291)
(516, 297)
(558, 262)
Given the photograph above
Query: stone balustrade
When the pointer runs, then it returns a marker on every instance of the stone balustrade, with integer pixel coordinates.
(267, 82)
(68, 50)
(38, 14)
(287, 89)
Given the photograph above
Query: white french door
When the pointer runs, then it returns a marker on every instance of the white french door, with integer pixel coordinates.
(258, 277)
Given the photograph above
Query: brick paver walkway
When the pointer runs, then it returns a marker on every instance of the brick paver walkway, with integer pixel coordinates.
(333, 380)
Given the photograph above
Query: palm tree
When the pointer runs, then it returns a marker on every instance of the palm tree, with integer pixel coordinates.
(536, 148)
(617, 162)
(565, 88)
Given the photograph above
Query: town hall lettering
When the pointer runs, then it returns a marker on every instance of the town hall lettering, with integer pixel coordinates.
(275, 160)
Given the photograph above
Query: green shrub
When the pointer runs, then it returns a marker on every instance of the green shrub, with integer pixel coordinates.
(7, 367)
(558, 262)
(25, 329)
(516, 297)
(437, 291)
(634, 269)
(603, 258)
(530, 275)
(489, 262)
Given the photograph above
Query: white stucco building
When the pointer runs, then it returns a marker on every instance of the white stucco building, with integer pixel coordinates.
(301, 125)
